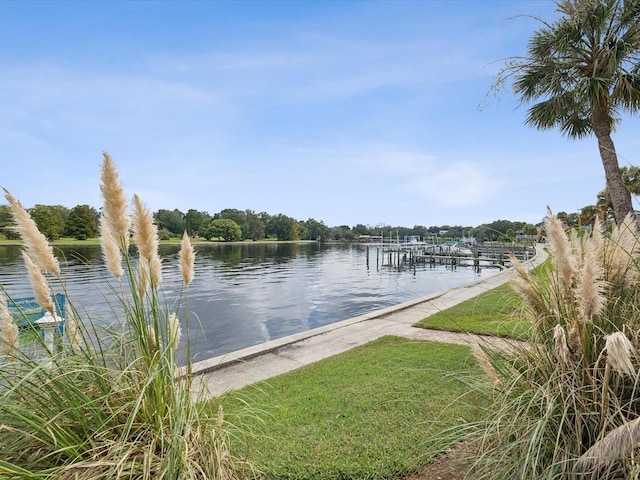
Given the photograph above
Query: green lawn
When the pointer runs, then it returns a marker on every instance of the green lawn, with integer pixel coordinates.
(371, 412)
(495, 312)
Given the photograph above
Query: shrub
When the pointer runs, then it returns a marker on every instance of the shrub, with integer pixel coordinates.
(108, 403)
(567, 404)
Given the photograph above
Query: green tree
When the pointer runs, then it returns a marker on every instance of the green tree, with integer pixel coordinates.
(62, 211)
(7, 224)
(254, 226)
(251, 224)
(568, 219)
(234, 214)
(315, 230)
(361, 229)
(223, 228)
(194, 219)
(342, 232)
(498, 230)
(582, 70)
(587, 215)
(82, 222)
(49, 220)
(631, 181)
(282, 227)
(170, 220)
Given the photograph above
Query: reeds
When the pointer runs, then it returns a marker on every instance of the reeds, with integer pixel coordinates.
(108, 403)
(571, 396)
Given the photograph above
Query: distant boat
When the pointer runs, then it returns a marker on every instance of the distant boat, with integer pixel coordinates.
(414, 242)
(455, 248)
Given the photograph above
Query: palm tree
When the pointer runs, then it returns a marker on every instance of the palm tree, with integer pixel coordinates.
(631, 180)
(582, 70)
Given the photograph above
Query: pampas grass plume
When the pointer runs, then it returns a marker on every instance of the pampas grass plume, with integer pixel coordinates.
(220, 417)
(8, 328)
(142, 276)
(110, 249)
(486, 365)
(617, 444)
(622, 252)
(152, 337)
(146, 237)
(522, 281)
(590, 281)
(619, 352)
(39, 284)
(187, 259)
(562, 349)
(73, 330)
(574, 342)
(36, 243)
(115, 202)
(174, 330)
(561, 249)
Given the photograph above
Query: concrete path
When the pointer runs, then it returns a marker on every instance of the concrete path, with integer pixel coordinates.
(243, 367)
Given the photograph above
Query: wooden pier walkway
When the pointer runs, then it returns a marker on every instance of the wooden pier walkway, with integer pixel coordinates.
(482, 256)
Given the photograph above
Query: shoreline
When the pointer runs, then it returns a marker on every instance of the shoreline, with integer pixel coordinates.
(239, 368)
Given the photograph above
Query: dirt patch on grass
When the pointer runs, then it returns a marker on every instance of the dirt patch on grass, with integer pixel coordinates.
(453, 465)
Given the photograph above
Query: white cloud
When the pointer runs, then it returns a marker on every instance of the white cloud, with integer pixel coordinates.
(459, 184)
(449, 183)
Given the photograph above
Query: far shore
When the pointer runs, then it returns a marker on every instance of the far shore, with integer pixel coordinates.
(173, 241)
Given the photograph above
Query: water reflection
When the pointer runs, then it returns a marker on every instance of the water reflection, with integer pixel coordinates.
(245, 294)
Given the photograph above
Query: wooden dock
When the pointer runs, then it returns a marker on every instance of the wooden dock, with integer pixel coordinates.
(483, 256)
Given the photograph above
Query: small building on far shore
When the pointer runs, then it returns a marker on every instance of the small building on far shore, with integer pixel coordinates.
(369, 239)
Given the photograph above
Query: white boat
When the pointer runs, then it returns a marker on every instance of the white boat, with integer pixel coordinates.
(455, 248)
(414, 242)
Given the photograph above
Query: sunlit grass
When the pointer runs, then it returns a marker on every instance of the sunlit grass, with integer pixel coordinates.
(498, 312)
(368, 413)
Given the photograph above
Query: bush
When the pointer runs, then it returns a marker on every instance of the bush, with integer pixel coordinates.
(164, 234)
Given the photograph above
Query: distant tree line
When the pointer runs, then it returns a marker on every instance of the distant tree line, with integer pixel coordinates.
(81, 222)
(231, 224)
(55, 221)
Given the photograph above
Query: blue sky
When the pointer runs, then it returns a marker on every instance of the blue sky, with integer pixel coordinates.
(349, 112)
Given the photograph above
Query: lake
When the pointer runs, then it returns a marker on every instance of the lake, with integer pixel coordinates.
(246, 294)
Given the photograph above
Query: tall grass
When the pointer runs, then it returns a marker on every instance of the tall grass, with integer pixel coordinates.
(107, 402)
(567, 404)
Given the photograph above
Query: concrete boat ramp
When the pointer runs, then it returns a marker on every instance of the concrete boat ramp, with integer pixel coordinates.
(260, 362)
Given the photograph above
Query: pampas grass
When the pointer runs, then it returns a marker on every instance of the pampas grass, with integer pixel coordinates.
(115, 203)
(174, 330)
(110, 403)
(187, 259)
(39, 284)
(110, 249)
(486, 365)
(564, 254)
(8, 329)
(146, 238)
(571, 395)
(562, 349)
(617, 444)
(619, 353)
(35, 242)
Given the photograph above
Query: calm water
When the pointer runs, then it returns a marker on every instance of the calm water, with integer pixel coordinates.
(246, 294)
